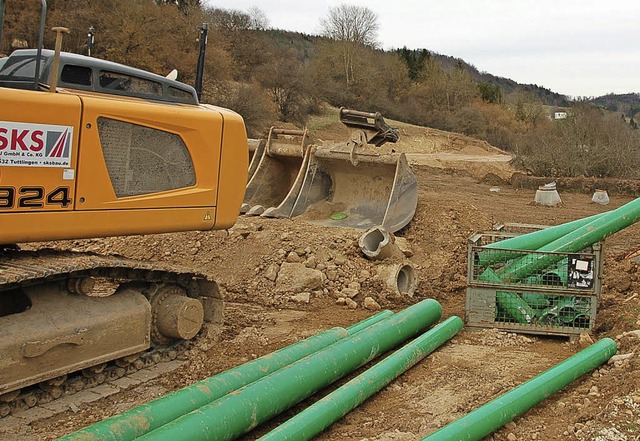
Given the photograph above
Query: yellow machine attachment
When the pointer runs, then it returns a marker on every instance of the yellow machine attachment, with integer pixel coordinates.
(280, 162)
(351, 185)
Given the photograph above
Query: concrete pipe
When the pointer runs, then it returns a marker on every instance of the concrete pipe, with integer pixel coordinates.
(377, 243)
(400, 277)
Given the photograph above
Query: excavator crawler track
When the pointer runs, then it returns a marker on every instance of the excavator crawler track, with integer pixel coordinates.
(132, 315)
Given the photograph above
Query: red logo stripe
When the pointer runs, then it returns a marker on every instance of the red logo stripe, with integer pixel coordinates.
(59, 147)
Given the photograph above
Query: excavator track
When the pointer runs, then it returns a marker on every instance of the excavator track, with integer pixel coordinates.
(55, 389)
(167, 298)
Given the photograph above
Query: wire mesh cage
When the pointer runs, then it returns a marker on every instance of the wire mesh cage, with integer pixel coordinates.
(531, 291)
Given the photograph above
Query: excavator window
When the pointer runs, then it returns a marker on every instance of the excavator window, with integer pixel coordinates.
(142, 160)
(77, 75)
(129, 83)
(18, 68)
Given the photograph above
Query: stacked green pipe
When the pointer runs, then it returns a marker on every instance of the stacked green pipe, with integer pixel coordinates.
(147, 417)
(572, 242)
(244, 409)
(320, 415)
(529, 242)
(493, 415)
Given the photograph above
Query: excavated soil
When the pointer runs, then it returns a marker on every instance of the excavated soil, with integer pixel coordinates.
(457, 198)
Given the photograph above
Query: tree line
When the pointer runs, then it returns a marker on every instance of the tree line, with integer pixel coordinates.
(269, 75)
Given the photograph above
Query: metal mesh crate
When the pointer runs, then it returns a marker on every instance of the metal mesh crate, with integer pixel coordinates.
(531, 291)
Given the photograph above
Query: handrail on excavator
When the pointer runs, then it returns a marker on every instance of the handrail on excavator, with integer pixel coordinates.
(43, 16)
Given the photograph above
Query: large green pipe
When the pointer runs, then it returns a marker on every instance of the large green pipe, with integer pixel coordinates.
(529, 242)
(496, 413)
(320, 415)
(369, 321)
(573, 242)
(239, 412)
(513, 305)
(147, 417)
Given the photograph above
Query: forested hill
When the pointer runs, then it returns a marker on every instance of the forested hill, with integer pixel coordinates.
(618, 102)
(415, 59)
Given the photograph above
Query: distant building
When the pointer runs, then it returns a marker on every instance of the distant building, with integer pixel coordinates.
(559, 114)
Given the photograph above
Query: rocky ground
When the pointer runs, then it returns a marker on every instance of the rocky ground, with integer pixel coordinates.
(267, 310)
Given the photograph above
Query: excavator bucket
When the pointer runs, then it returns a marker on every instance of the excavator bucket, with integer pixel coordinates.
(354, 185)
(256, 150)
(276, 169)
(380, 190)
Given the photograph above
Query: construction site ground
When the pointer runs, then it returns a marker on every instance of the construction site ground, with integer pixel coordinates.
(464, 187)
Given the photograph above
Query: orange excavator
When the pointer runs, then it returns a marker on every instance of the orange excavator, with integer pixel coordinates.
(89, 149)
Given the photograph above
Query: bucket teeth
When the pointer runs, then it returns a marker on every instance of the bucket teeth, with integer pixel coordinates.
(256, 210)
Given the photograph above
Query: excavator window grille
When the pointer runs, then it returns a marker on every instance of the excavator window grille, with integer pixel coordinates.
(143, 160)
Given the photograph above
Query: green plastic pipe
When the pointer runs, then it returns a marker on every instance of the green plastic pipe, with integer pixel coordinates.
(513, 305)
(320, 415)
(573, 242)
(498, 412)
(147, 417)
(554, 276)
(529, 242)
(236, 413)
(369, 321)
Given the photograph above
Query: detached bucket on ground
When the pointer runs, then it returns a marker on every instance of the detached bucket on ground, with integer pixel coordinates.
(256, 150)
(379, 190)
(276, 171)
(350, 185)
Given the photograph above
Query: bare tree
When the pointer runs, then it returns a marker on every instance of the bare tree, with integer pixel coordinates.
(351, 24)
(352, 27)
(259, 19)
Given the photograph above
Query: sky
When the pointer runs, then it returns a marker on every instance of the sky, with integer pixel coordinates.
(579, 48)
